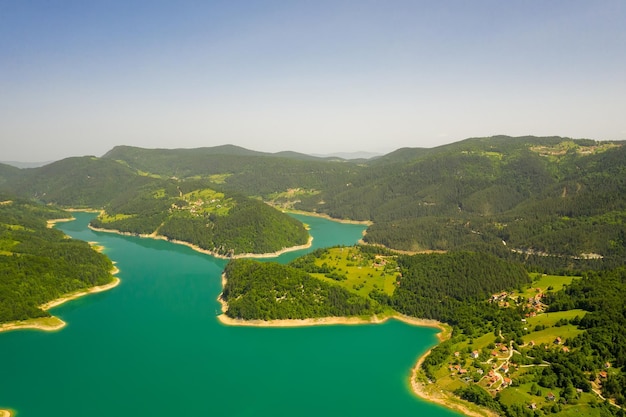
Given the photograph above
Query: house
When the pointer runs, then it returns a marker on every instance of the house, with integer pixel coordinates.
(558, 341)
(475, 354)
(603, 374)
(507, 382)
(503, 348)
(550, 397)
(607, 365)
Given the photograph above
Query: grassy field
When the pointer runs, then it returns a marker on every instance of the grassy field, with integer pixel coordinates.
(219, 178)
(209, 201)
(550, 319)
(522, 395)
(107, 218)
(364, 272)
(547, 283)
(550, 334)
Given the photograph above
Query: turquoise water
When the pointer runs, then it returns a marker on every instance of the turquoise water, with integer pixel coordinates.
(154, 347)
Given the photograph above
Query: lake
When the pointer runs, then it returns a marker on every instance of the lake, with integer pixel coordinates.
(153, 347)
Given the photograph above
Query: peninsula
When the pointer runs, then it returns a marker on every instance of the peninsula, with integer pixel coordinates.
(491, 346)
(47, 267)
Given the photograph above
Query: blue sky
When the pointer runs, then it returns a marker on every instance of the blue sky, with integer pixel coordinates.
(79, 77)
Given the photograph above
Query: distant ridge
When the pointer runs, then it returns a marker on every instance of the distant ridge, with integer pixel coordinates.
(231, 150)
(350, 155)
(18, 164)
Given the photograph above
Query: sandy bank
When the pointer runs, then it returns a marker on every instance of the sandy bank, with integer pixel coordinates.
(324, 321)
(51, 223)
(205, 251)
(48, 324)
(325, 216)
(430, 392)
(92, 290)
(433, 393)
(5, 413)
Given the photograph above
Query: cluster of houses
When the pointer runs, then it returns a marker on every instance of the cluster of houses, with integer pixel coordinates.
(380, 262)
(534, 304)
(195, 207)
(497, 378)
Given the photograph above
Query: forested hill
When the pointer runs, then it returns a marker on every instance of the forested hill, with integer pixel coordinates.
(269, 291)
(188, 210)
(241, 170)
(8, 172)
(225, 224)
(39, 264)
(79, 182)
(548, 196)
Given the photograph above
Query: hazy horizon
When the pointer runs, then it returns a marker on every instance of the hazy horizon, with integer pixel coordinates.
(312, 77)
(356, 154)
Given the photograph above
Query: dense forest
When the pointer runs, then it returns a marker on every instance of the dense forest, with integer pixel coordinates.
(551, 196)
(454, 287)
(601, 294)
(39, 264)
(269, 291)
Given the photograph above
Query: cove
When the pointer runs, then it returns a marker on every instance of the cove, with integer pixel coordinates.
(153, 347)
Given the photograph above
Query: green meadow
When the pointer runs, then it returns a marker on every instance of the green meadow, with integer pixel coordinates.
(362, 272)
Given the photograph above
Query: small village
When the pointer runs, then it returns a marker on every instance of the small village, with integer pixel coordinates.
(509, 369)
(203, 202)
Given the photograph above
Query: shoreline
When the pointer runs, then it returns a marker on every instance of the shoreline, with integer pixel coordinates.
(50, 224)
(327, 321)
(206, 251)
(54, 323)
(431, 393)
